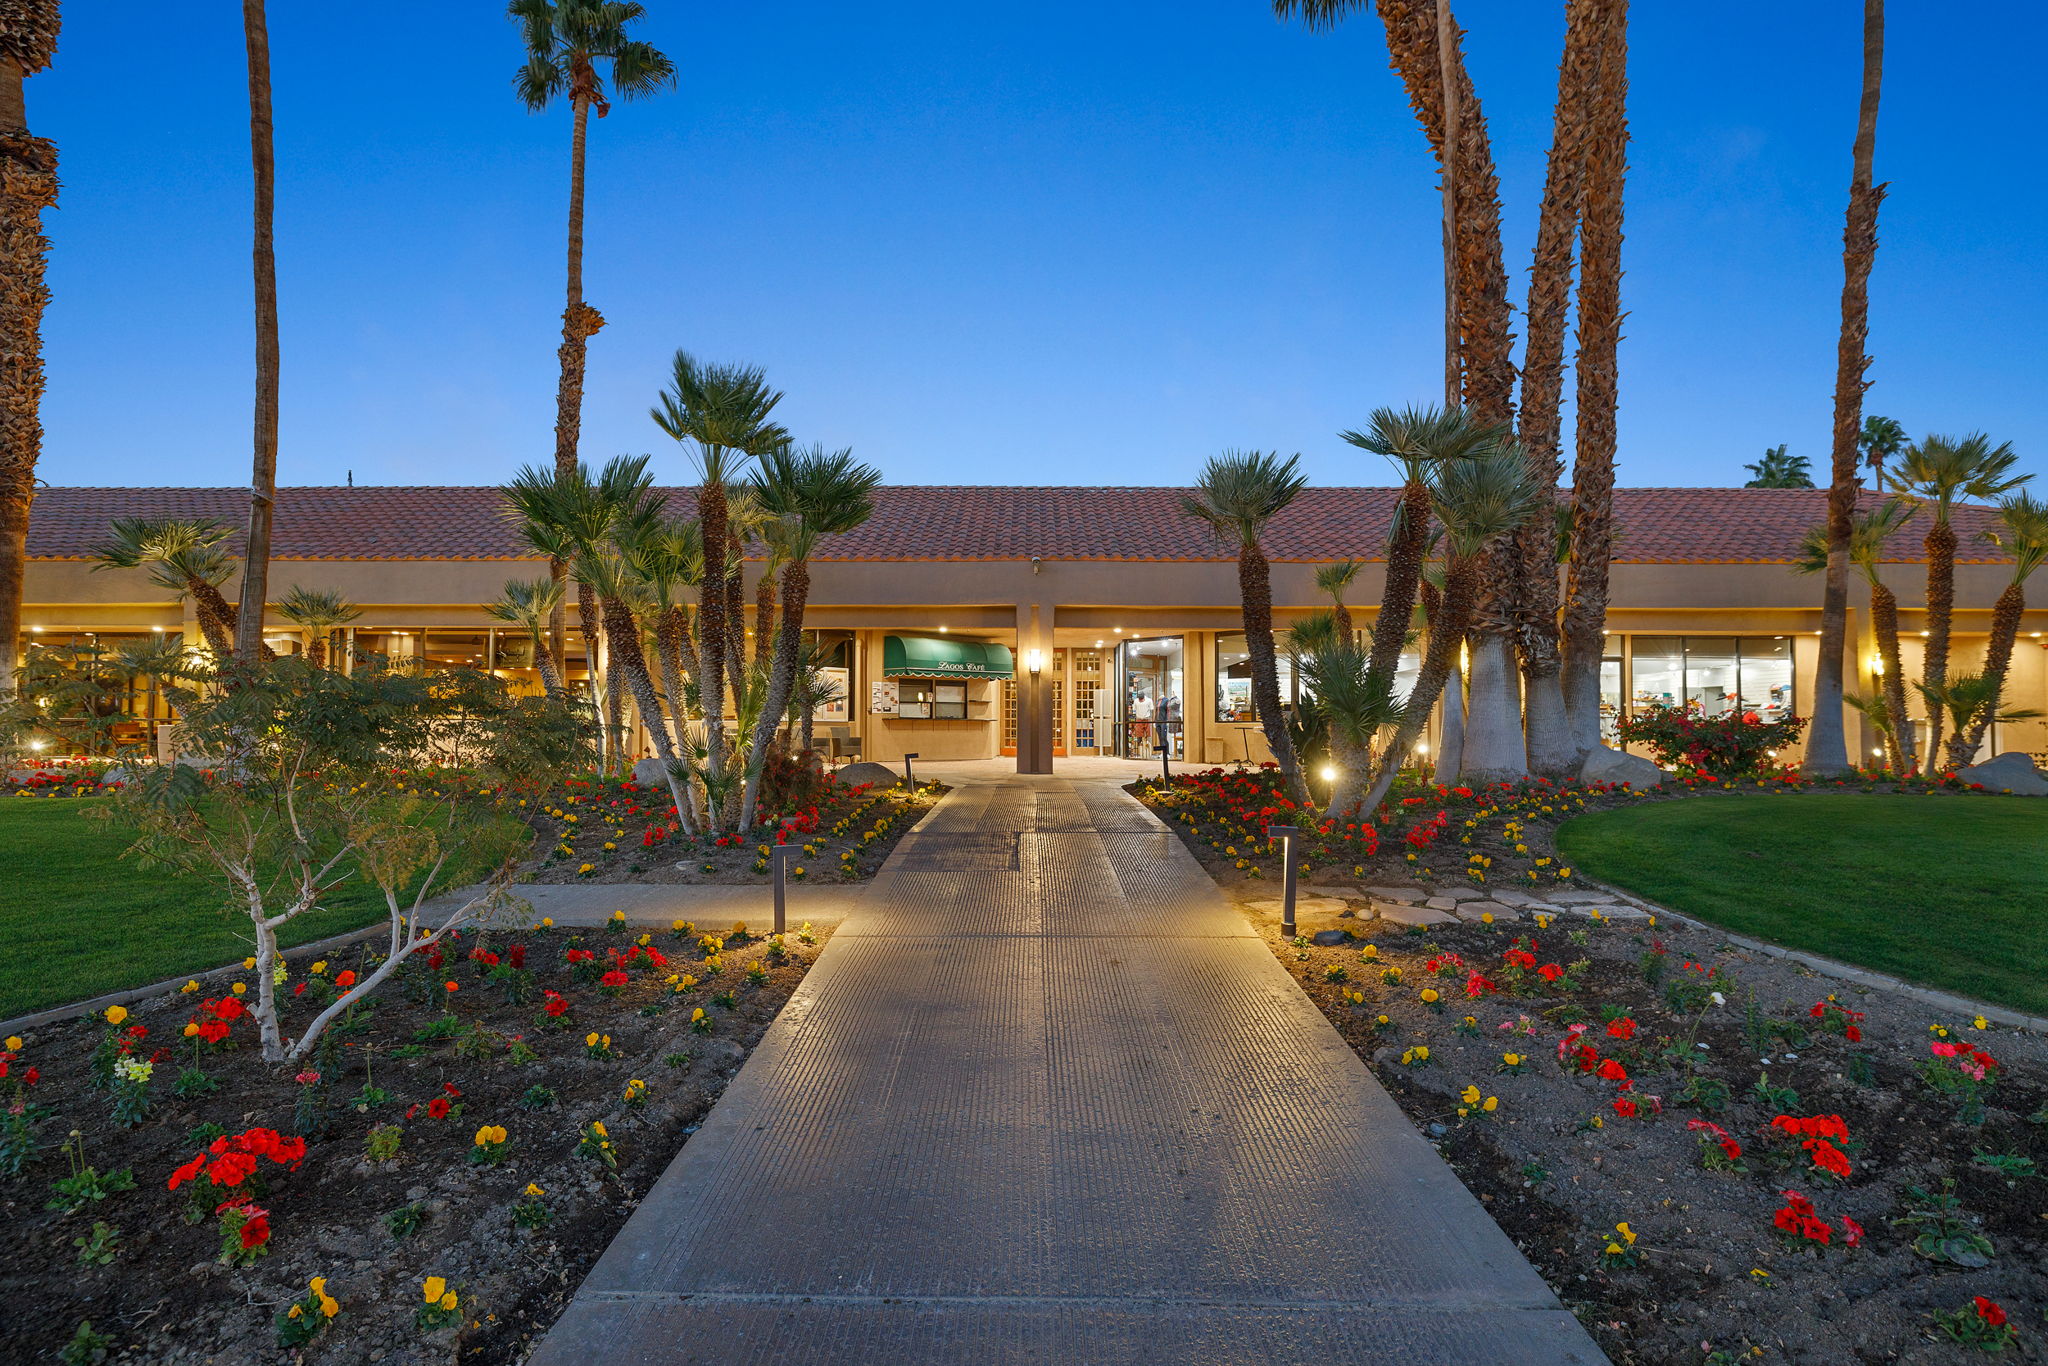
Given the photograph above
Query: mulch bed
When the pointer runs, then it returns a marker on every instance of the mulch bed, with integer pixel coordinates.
(167, 1297)
(845, 835)
(1559, 1165)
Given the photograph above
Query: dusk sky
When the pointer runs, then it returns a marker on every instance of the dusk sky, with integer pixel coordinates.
(1061, 242)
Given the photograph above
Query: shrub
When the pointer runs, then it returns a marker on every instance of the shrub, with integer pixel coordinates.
(1731, 745)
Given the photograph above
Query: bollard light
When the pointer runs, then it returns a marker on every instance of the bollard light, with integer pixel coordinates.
(1286, 834)
(908, 781)
(1166, 765)
(778, 859)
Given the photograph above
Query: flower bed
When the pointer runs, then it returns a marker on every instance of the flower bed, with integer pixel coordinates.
(590, 831)
(434, 1184)
(1706, 1152)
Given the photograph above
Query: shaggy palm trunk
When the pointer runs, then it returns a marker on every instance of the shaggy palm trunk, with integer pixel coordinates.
(1255, 588)
(736, 621)
(672, 646)
(796, 591)
(1884, 621)
(2006, 615)
(1450, 752)
(316, 649)
(622, 640)
(764, 613)
(216, 617)
(1553, 750)
(1941, 604)
(1447, 630)
(550, 672)
(1598, 374)
(580, 322)
(1405, 556)
(28, 185)
(263, 258)
(711, 639)
(1827, 753)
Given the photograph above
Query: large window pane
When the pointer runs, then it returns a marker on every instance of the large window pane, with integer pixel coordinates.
(1767, 676)
(1659, 672)
(1233, 679)
(1610, 700)
(1712, 675)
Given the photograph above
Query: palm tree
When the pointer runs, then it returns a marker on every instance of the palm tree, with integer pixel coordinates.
(1968, 700)
(1479, 500)
(1416, 440)
(530, 604)
(28, 185)
(808, 494)
(1334, 579)
(1937, 473)
(1827, 753)
(566, 41)
(1866, 552)
(1238, 494)
(813, 689)
(184, 556)
(2022, 534)
(319, 612)
(667, 558)
(1881, 439)
(724, 415)
(249, 645)
(541, 505)
(1592, 542)
(1353, 705)
(1778, 470)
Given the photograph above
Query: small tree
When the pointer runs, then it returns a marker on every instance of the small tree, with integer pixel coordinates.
(317, 786)
(1778, 470)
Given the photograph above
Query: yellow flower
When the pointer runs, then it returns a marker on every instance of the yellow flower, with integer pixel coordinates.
(490, 1133)
(1430, 996)
(533, 1188)
(618, 916)
(697, 1014)
(1382, 1019)
(448, 1301)
(597, 1127)
(1369, 952)
(189, 987)
(1627, 1233)
(433, 1287)
(318, 967)
(1980, 1023)
(116, 1014)
(1486, 917)
(1512, 1059)
(1613, 1248)
(586, 868)
(294, 1312)
(14, 1043)
(239, 988)
(547, 922)
(590, 1039)
(1492, 1104)
(248, 964)
(1470, 1095)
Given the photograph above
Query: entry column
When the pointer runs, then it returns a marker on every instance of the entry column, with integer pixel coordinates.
(1034, 688)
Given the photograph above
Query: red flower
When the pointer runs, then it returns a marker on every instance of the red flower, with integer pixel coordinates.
(345, 979)
(437, 1108)
(255, 1231)
(556, 1007)
(1623, 1028)
(1732, 1148)
(516, 955)
(1855, 1232)
(1853, 1034)
(1990, 1312)
(1613, 1071)
(453, 987)
(1625, 1108)
(614, 978)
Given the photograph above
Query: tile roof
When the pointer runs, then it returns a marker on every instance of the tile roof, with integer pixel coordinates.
(928, 522)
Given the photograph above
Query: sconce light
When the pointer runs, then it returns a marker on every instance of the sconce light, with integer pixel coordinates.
(1877, 664)
(1034, 660)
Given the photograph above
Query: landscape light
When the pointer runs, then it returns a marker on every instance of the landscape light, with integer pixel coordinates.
(1329, 774)
(37, 745)
(942, 630)
(1422, 746)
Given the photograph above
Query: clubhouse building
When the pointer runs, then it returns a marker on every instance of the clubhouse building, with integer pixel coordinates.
(978, 622)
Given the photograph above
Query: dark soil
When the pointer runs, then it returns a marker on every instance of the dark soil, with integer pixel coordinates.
(1558, 1182)
(167, 1298)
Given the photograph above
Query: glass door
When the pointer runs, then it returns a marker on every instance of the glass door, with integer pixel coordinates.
(1149, 697)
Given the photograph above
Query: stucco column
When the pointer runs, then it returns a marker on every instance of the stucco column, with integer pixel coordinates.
(1034, 691)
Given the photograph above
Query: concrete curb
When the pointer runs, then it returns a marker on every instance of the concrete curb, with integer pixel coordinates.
(1946, 1001)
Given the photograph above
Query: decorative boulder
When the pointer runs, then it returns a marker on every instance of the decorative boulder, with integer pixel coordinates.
(1611, 766)
(116, 774)
(650, 773)
(2011, 772)
(881, 775)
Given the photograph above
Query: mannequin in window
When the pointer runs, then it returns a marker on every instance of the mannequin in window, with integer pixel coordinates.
(1141, 721)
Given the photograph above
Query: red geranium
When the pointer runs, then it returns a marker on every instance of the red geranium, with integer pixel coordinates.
(1990, 1312)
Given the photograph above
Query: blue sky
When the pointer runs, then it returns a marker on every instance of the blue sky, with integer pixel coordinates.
(1061, 242)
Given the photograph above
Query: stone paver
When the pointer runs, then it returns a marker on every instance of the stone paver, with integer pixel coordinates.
(1046, 1098)
(1414, 916)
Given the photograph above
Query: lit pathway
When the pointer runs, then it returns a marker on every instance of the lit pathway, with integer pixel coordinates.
(1046, 1098)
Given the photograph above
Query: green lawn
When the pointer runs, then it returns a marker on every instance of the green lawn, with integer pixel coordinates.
(1950, 892)
(77, 919)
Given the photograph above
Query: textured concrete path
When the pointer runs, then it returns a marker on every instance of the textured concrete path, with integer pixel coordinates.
(1046, 1098)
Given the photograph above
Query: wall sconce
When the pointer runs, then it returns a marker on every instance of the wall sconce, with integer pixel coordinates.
(1034, 660)
(1877, 664)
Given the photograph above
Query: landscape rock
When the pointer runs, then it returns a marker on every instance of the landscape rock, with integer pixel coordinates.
(650, 773)
(1330, 938)
(2011, 772)
(1466, 893)
(1511, 897)
(1400, 913)
(116, 774)
(1606, 765)
(881, 775)
(1442, 903)
(1474, 910)
(1580, 896)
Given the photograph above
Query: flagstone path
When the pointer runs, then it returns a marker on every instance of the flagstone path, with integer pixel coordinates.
(1045, 1097)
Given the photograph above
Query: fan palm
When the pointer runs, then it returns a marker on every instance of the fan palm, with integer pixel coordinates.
(1881, 439)
(530, 604)
(1968, 700)
(184, 556)
(1936, 473)
(808, 494)
(1238, 495)
(668, 557)
(724, 416)
(319, 612)
(1334, 579)
(1866, 552)
(2022, 533)
(28, 185)
(813, 688)
(1779, 470)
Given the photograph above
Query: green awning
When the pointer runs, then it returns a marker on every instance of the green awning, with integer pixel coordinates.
(943, 657)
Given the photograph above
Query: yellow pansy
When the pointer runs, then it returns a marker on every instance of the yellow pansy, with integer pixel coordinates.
(116, 1014)
(14, 1043)
(1470, 1095)
(239, 988)
(533, 1189)
(433, 1287)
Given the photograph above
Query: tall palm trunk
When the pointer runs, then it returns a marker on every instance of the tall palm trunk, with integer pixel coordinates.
(1600, 238)
(736, 619)
(2006, 615)
(1884, 621)
(711, 518)
(1405, 556)
(629, 662)
(580, 322)
(263, 477)
(796, 592)
(28, 185)
(1827, 751)
(217, 617)
(1447, 631)
(764, 612)
(1255, 586)
(1553, 750)
(1940, 544)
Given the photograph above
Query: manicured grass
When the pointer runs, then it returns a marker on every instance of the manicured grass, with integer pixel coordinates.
(1951, 892)
(78, 920)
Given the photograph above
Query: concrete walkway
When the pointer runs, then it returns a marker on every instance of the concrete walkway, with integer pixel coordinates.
(1046, 1098)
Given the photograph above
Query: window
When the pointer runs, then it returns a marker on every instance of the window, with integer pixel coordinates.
(920, 699)
(1712, 675)
(1234, 679)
